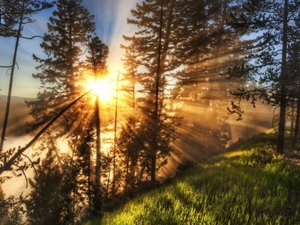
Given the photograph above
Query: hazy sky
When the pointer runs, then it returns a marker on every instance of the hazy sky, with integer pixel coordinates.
(110, 19)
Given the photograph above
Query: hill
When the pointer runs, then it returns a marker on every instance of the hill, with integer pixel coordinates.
(250, 185)
(19, 115)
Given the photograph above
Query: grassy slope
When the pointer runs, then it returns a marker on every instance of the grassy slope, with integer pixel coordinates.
(249, 186)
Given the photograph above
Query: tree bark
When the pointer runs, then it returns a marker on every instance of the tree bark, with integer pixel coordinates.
(127, 172)
(297, 123)
(97, 185)
(292, 120)
(97, 202)
(133, 90)
(9, 163)
(157, 86)
(6, 116)
(90, 183)
(282, 79)
(115, 137)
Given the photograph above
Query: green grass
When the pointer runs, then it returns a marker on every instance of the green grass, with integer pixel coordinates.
(252, 185)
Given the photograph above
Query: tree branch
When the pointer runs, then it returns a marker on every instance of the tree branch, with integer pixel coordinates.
(30, 38)
(32, 163)
(7, 166)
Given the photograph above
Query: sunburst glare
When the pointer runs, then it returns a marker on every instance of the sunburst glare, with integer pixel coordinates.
(104, 89)
(102, 86)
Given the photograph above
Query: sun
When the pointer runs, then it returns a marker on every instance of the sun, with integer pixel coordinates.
(103, 87)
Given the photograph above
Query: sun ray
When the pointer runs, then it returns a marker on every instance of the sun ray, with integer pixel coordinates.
(102, 86)
(104, 89)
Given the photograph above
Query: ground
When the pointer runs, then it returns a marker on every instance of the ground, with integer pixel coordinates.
(249, 185)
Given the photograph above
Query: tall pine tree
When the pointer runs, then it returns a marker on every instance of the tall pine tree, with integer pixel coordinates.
(68, 31)
(51, 200)
(155, 48)
(293, 64)
(96, 62)
(265, 24)
(16, 13)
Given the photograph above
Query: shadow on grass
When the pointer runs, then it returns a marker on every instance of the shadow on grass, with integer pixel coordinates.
(251, 186)
(222, 195)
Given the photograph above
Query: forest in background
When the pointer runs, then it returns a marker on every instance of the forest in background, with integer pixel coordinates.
(189, 67)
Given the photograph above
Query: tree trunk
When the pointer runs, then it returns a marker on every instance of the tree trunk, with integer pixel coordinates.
(157, 86)
(282, 78)
(97, 202)
(97, 185)
(10, 162)
(115, 137)
(297, 123)
(6, 116)
(127, 171)
(89, 183)
(133, 90)
(108, 180)
(292, 120)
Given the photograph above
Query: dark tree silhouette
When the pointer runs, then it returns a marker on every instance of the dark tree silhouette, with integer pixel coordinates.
(155, 58)
(68, 31)
(8, 14)
(22, 12)
(266, 64)
(293, 64)
(51, 200)
(96, 62)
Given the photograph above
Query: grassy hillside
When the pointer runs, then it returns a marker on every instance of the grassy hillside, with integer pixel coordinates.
(251, 185)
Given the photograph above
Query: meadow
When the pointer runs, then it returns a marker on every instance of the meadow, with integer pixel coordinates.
(249, 185)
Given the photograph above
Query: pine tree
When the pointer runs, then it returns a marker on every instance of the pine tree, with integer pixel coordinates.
(174, 40)
(266, 63)
(84, 155)
(157, 58)
(3, 207)
(71, 29)
(131, 64)
(293, 65)
(210, 48)
(17, 13)
(96, 62)
(68, 30)
(97, 56)
(8, 13)
(130, 155)
(15, 215)
(294, 70)
(51, 200)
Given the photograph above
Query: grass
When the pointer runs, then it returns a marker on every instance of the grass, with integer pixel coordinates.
(251, 185)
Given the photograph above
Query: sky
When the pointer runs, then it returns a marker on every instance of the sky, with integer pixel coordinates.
(111, 23)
